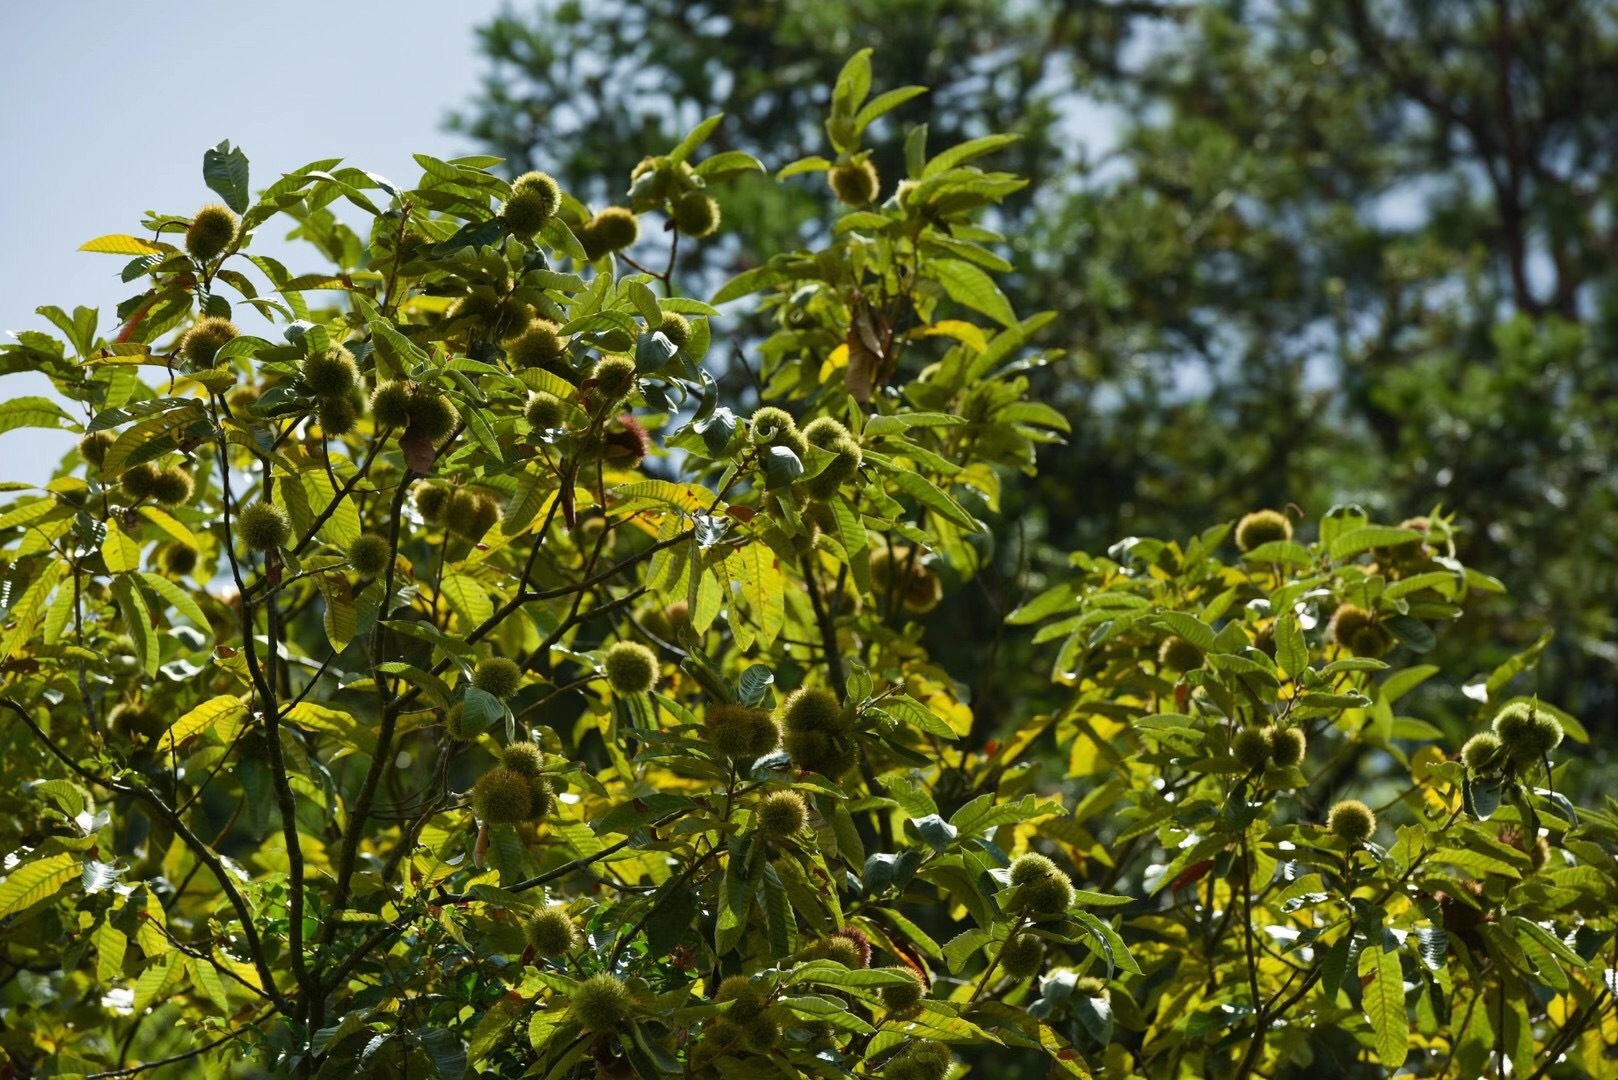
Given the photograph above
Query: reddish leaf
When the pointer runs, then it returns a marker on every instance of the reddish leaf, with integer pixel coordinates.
(1192, 874)
(418, 450)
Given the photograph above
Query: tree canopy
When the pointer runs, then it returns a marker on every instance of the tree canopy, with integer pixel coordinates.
(1327, 251)
(870, 598)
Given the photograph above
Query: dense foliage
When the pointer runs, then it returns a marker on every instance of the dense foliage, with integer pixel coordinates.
(1304, 251)
(452, 681)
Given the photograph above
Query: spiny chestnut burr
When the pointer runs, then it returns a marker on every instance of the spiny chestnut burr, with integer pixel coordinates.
(631, 668)
(1351, 820)
(210, 232)
(1261, 527)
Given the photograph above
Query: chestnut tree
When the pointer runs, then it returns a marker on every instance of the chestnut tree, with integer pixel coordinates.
(419, 669)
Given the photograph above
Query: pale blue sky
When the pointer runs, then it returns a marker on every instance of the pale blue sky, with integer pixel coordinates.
(110, 104)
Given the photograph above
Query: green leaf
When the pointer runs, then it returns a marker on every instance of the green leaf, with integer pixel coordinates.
(341, 617)
(154, 437)
(1334, 966)
(1359, 540)
(729, 163)
(25, 613)
(916, 151)
(396, 355)
(224, 170)
(1481, 799)
(314, 486)
(883, 103)
(445, 1049)
(753, 683)
(1116, 951)
(154, 979)
(1190, 627)
(913, 712)
(961, 154)
(645, 302)
(1549, 942)
(779, 923)
(1291, 650)
(853, 84)
(804, 165)
(207, 978)
(962, 946)
(759, 278)
(823, 1008)
(831, 973)
(468, 599)
(556, 233)
(851, 532)
(781, 466)
(1414, 633)
(899, 423)
(439, 692)
(735, 894)
(1384, 1003)
(971, 287)
(1400, 683)
(764, 586)
(35, 412)
(1095, 1013)
(698, 136)
(932, 497)
(1523, 661)
(335, 722)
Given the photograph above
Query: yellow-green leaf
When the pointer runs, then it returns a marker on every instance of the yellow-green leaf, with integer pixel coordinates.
(343, 527)
(178, 598)
(153, 980)
(1384, 1000)
(687, 497)
(36, 881)
(154, 437)
(851, 531)
(120, 550)
(137, 621)
(207, 977)
(25, 614)
(226, 711)
(171, 527)
(765, 589)
(110, 943)
(306, 714)
(122, 244)
(341, 618)
(968, 334)
(709, 598)
(37, 412)
(150, 930)
(467, 598)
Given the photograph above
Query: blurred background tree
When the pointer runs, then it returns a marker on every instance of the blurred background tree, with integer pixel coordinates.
(1334, 251)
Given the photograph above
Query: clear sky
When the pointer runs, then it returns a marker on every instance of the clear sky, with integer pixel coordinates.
(110, 105)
